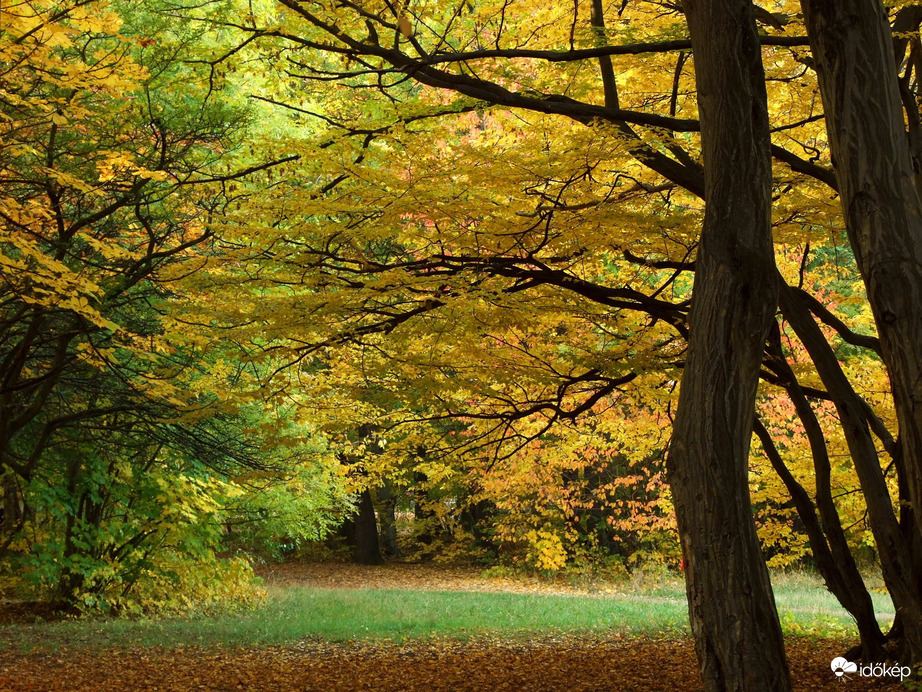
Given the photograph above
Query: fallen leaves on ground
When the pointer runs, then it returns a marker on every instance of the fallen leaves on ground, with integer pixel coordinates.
(543, 665)
(420, 577)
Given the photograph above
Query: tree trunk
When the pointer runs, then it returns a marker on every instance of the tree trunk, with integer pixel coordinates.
(13, 512)
(388, 503)
(367, 551)
(853, 51)
(828, 541)
(423, 517)
(731, 607)
(898, 556)
(841, 577)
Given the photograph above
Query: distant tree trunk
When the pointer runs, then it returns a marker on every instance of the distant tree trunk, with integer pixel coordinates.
(853, 50)
(367, 551)
(13, 510)
(731, 607)
(361, 529)
(388, 502)
(423, 517)
(476, 517)
(70, 580)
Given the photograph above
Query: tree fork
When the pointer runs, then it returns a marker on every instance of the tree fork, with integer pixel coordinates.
(843, 581)
(898, 557)
(827, 538)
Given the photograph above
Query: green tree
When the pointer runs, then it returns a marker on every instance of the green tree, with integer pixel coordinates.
(119, 443)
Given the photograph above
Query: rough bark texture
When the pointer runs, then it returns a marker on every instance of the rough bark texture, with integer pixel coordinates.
(854, 54)
(731, 606)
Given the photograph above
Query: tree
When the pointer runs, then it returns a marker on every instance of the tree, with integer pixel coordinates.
(878, 172)
(116, 454)
(518, 288)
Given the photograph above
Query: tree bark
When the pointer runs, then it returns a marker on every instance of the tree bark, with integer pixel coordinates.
(827, 537)
(841, 577)
(853, 51)
(731, 607)
(13, 513)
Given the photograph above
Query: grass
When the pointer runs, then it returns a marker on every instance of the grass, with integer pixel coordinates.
(651, 606)
(804, 594)
(797, 592)
(295, 613)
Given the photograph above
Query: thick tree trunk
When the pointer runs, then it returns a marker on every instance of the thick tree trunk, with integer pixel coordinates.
(854, 55)
(731, 607)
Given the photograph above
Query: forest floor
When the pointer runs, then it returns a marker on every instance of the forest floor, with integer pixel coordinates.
(538, 662)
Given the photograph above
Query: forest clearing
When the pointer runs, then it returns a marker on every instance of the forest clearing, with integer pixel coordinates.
(624, 641)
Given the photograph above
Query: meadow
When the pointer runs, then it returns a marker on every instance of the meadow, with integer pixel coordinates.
(649, 604)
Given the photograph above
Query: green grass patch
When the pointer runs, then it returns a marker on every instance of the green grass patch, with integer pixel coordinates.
(804, 592)
(294, 614)
(807, 607)
(647, 605)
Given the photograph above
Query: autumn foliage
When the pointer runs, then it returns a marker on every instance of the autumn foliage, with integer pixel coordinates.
(274, 268)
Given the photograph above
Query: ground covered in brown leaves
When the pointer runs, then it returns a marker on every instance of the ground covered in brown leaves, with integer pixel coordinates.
(418, 577)
(539, 666)
(544, 664)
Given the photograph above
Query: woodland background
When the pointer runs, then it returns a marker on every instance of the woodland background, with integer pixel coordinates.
(412, 279)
